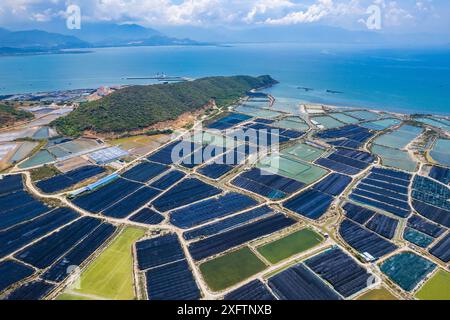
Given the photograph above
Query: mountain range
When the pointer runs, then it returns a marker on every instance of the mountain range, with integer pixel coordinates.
(37, 39)
(53, 38)
(112, 35)
(307, 33)
(89, 36)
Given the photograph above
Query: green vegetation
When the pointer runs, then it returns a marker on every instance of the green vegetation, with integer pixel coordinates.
(378, 294)
(44, 172)
(146, 133)
(294, 243)
(9, 115)
(110, 275)
(156, 132)
(138, 107)
(230, 269)
(437, 288)
(68, 296)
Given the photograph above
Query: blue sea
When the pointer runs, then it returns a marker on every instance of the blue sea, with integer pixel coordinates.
(402, 80)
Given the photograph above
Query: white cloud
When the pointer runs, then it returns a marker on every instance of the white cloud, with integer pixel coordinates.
(263, 7)
(320, 10)
(188, 12)
(44, 16)
(314, 13)
(345, 13)
(424, 5)
(396, 15)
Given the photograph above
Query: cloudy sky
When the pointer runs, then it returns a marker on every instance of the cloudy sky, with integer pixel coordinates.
(407, 16)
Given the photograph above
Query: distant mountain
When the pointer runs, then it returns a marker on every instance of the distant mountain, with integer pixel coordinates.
(39, 40)
(90, 35)
(7, 51)
(309, 33)
(118, 35)
(302, 33)
(113, 35)
(158, 41)
(110, 33)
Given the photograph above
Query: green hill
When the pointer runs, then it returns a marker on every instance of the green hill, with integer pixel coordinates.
(138, 107)
(9, 115)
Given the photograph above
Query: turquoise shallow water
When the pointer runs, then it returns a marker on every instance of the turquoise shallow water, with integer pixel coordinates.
(441, 152)
(397, 80)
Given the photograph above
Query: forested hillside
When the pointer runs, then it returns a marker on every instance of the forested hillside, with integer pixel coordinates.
(9, 115)
(139, 107)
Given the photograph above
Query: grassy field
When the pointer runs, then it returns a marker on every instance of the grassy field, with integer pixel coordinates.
(437, 288)
(139, 141)
(68, 296)
(294, 243)
(225, 271)
(110, 275)
(44, 172)
(378, 294)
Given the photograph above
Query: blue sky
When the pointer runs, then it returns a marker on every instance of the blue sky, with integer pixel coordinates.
(400, 16)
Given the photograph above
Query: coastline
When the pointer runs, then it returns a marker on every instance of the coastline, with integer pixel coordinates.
(372, 83)
(360, 105)
(391, 110)
(37, 53)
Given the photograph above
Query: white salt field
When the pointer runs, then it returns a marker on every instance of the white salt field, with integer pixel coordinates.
(5, 149)
(344, 118)
(60, 151)
(255, 112)
(363, 115)
(208, 138)
(314, 109)
(107, 155)
(63, 111)
(288, 105)
(328, 122)
(42, 133)
(304, 152)
(17, 134)
(23, 151)
(43, 121)
(40, 158)
(380, 125)
(257, 104)
(292, 168)
(441, 152)
(295, 123)
(79, 146)
(395, 158)
(399, 138)
(438, 123)
(390, 147)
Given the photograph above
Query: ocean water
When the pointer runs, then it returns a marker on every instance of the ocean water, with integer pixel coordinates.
(403, 80)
